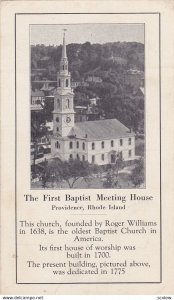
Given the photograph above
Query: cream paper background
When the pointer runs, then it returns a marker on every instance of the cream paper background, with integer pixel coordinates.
(8, 9)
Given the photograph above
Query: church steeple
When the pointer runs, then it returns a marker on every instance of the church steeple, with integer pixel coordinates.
(63, 114)
(64, 55)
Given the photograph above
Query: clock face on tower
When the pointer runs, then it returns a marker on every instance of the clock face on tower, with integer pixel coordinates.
(67, 119)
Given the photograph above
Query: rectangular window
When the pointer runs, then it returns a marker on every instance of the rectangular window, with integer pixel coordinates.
(103, 157)
(113, 158)
(93, 146)
(93, 158)
(130, 141)
(121, 155)
(130, 153)
(121, 142)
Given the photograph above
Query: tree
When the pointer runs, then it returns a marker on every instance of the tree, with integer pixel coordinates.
(137, 175)
(110, 181)
(111, 178)
(45, 174)
(116, 91)
(70, 171)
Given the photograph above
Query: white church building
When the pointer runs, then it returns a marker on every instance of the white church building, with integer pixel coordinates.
(97, 141)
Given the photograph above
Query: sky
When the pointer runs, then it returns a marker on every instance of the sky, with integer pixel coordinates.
(81, 33)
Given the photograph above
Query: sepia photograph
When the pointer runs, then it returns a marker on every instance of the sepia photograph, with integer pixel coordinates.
(87, 107)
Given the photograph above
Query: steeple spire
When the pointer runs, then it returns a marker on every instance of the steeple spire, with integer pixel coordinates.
(64, 59)
(64, 55)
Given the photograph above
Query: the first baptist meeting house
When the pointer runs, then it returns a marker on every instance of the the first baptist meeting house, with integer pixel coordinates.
(98, 141)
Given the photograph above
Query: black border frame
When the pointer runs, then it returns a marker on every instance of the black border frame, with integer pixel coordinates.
(77, 283)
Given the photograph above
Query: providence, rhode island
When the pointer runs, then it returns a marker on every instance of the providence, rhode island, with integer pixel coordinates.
(87, 106)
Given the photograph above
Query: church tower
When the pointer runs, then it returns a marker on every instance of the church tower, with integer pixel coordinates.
(63, 114)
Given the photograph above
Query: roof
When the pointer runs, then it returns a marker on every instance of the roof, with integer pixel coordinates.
(142, 90)
(49, 97)
(47, 88)
(46, 146)
(100, 129)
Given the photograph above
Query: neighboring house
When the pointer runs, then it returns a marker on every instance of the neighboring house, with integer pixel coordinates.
(37, 97)
(94, 79)
(118, 60)
(99, 141)
(93, 101)
(86, 113)
(75, 84)
(81, 113)
(44, 144)
(49, 126)
(47, 89)
(37, 100)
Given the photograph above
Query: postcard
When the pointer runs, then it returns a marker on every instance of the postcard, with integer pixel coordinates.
(87, 148)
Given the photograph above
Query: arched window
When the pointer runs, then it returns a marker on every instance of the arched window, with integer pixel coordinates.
(70, 145)
(93, 159)
(66, 82)
(67, 103)
(83, 146)
(58, 102)
(102, 144)
(77, 144)
(57, 129)
(130, 141)
(83, 157)
(121, 142)
(71, 156)
(57, 145)
(93, 146)
(112, 143)
(57, 119)
(103, 157)
(63, 67)
(77, 156)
